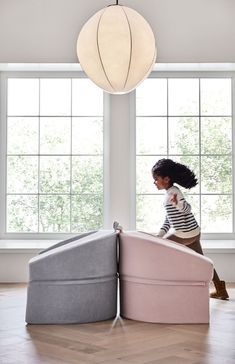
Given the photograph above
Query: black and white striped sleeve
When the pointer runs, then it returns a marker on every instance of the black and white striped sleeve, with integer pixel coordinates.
(165, 227)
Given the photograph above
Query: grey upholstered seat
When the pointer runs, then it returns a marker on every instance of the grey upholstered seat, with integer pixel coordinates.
(74, 282)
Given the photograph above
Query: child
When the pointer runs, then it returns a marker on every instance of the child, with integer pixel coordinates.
(165, 173)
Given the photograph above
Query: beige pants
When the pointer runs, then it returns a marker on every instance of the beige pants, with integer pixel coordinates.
(193, 243)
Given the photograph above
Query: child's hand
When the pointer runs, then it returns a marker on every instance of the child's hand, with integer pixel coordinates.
(173, 199)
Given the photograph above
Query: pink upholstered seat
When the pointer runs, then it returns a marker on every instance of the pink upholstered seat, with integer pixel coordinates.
(162, 281)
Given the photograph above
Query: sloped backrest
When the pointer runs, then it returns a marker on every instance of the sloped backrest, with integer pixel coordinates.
(70, 240)
(149, 257)
(92, 256)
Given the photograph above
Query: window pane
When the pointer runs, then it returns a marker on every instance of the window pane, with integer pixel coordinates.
(43, 144)
(23, 96)
(22, 174)
(144, 179)
(192, 163)
(55, 135)
(183, 97)
(184, 135)
(87, 174)
(151, 135)
(151, 97)
(216, 135)
(87, 98)
(217, 214)
(187, 140)
(87, 135)
(87, 212)
(22, 135)
(216, 174)
(22, 213)
(55, 97)
(150, 213)
(54, 174)
(54, 214)
(216, 97)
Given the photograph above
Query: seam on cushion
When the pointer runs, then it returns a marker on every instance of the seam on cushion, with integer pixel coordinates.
(161, 282)
(74, 281)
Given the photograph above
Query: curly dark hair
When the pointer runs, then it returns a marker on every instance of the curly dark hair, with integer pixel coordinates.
(177, 172)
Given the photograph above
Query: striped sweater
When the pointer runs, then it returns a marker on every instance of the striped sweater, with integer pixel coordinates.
(179, 217)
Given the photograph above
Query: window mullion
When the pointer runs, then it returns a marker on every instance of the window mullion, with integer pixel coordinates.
(200, 157)
(167, 118)
(71, 156)
(39, 128)
(233, 149)
(3, 152)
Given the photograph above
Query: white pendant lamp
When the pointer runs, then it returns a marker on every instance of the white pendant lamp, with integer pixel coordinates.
(116, 49)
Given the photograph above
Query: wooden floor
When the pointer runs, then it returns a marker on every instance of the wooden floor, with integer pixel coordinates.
(114, 342)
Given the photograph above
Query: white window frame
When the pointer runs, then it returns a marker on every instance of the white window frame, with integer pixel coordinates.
(4, 76)
(203, 74)
(119, 146)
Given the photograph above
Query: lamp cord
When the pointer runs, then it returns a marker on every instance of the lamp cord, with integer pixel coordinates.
(113, 4)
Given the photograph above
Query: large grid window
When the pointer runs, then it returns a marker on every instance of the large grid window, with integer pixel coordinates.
(54, 155)
(190, 121)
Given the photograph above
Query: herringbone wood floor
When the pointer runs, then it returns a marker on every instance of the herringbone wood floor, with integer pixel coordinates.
(114, 342)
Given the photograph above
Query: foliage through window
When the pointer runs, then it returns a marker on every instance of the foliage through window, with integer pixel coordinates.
(188, 120)
(54, 155)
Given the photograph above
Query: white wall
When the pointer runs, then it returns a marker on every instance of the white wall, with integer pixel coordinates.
(44, 31)
(121, 162)
(186, 30)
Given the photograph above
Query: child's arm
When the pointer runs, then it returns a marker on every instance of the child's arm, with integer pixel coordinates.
(165, 227)
(180, 203)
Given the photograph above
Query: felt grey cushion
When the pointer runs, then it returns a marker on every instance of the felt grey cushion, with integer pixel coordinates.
(74, 283)
(64, 242)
